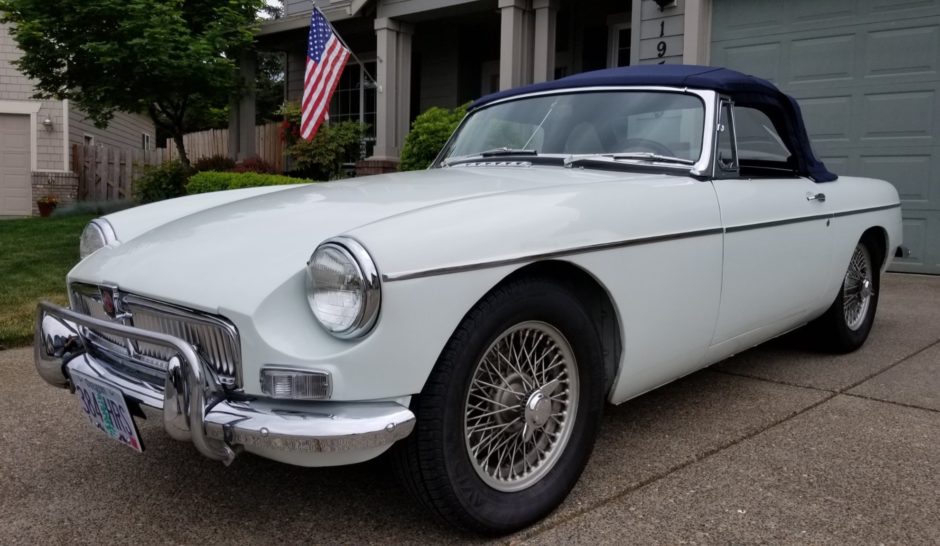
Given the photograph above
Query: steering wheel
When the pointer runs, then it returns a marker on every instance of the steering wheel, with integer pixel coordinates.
(646, 145)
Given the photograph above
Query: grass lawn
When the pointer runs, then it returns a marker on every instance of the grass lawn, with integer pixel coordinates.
(35, 255)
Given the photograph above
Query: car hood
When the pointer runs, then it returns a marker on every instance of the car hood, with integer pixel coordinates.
(238, 252)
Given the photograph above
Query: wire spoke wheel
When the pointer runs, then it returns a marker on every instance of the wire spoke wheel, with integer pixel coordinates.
(521, 406)
(858, 287)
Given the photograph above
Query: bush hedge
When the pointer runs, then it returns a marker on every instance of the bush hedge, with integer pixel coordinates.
(207, 181)
(429, 133)
(161, 182)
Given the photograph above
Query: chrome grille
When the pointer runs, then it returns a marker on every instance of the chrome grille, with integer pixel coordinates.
(91, 305)
(215, 339)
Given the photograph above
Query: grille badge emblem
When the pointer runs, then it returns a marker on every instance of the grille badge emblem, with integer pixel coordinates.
(108, 301)
(112, 304)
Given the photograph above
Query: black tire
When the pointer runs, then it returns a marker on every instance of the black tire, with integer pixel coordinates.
(833, 331)
(435, 463)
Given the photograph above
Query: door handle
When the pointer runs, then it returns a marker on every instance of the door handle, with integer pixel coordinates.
(821, 197)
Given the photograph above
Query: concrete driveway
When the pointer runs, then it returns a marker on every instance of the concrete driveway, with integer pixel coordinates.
(777, 445)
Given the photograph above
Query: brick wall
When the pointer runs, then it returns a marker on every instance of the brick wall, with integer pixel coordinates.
(64, 186)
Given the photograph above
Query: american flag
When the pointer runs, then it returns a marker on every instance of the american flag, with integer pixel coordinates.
(326, 57)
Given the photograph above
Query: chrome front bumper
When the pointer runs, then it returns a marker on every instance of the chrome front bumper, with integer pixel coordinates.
(197, 408)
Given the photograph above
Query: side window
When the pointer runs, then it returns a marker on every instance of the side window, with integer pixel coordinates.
(757, 138)
(726, 158)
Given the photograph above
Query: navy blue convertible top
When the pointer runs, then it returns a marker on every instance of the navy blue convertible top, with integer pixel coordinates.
(745, 90)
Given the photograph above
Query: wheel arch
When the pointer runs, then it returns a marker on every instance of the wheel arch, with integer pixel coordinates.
(594, 295)
(878, 237)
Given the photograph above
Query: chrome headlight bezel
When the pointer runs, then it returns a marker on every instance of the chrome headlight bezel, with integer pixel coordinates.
(96, 235)
(370, 290)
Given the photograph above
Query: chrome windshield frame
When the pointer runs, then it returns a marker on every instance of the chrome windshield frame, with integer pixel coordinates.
(702, 166)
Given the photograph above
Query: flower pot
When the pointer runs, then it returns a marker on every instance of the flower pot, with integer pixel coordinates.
(45, 209)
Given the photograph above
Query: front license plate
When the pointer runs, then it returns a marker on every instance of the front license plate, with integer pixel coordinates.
(106, 409)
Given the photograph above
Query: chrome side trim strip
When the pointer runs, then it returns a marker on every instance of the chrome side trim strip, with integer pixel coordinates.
(773, 223)
(862, 211)
(549, 255)
(462, 268)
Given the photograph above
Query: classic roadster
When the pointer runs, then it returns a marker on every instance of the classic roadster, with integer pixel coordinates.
(576, 242)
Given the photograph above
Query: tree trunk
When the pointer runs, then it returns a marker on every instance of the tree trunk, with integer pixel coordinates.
(181, 149)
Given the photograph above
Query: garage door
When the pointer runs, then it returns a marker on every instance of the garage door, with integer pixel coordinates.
(16, 194)
(867, 75)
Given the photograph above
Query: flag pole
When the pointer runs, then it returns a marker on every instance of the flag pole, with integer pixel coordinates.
(351, 52)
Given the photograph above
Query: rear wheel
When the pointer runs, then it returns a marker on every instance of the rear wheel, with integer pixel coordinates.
(507, 420)
(847, 323)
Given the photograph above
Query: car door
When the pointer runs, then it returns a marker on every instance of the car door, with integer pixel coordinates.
(777, 238)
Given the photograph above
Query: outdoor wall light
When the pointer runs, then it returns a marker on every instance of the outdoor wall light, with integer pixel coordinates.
(663, 4)
(47, 123)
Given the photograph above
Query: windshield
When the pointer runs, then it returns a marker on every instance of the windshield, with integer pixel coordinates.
(662, 123)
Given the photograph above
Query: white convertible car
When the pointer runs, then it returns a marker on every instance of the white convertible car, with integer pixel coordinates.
(577, 242)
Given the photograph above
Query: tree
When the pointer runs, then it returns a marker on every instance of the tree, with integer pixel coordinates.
(173, 59)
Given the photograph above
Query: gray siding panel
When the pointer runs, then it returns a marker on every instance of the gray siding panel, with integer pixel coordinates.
(13, 84)
(292, 7)
(398, 8)
(124, 131)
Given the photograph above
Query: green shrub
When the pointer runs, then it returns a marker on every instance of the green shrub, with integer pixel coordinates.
(323, 157)
(215, 181)
(161, 182)
(429, 133)
(214, 163)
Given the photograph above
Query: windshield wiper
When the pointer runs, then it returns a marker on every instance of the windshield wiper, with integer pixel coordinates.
(495, 152)
(641, 156)
(508, 151)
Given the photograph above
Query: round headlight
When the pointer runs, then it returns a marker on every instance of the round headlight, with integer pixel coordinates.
(343, 288)
(97, 234)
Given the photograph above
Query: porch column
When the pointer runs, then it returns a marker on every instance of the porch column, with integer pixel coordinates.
(241, 123)
(405, 31)
(546, 13)
(515, 44)
(393, 96)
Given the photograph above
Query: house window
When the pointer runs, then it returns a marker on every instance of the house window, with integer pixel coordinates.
(354, 100)
(619, 45)
(145, 141)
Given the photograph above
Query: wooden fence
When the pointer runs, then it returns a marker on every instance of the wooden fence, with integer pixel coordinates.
(215, 142)
(106, 173)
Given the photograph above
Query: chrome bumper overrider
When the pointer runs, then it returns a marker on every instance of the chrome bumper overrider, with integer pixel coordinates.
(197, 408)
